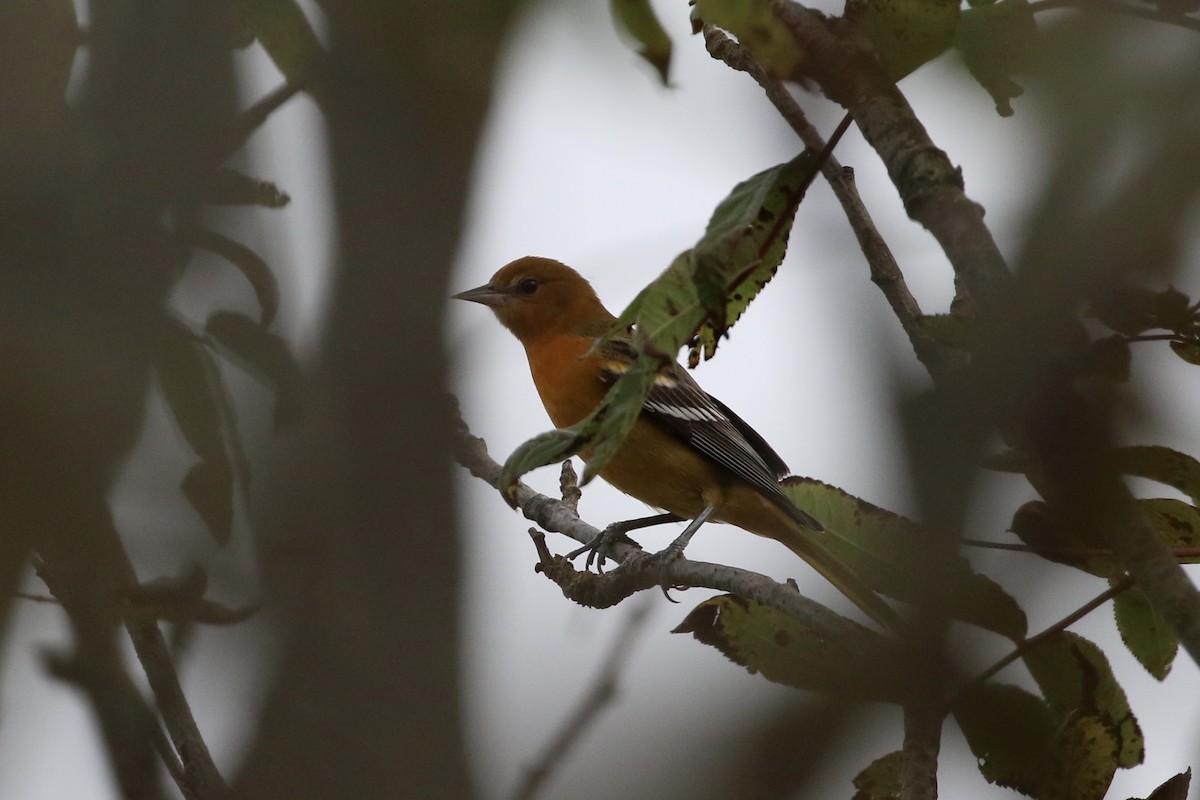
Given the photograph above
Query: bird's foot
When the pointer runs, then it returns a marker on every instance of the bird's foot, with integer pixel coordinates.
(599, 549)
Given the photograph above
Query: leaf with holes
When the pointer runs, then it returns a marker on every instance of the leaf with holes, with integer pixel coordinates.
(1075, 678)
(784, 650)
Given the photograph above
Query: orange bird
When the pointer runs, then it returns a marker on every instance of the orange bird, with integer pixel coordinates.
(688, 453)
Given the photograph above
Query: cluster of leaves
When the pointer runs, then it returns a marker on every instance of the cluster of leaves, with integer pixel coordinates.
(994, 39)
(189, 373)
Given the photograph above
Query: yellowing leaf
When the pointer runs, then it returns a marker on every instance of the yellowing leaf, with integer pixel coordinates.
(767, 641)
(881, 778)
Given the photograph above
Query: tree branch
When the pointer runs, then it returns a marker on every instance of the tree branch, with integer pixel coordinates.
(840, 60)
(885, 272)
(922, 743)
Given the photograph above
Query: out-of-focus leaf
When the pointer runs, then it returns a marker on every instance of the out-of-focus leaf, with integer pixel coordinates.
(1109, 359)
(183, 367)
(638, 20)
(1162, 464)
(890, 553)
(767, 641)
(180, 600)
(881, 778)
(995, 41)
(1176, 523)
(1174, 788)
(227, 187)
(255, 270)
(1075, 678)
(757, 28)
(1188, 351)
(286, 35)
(208, 486)
(1010, 731)
(38, 41)
(1147, 635)
(1047, 534)
(908, 33)
(1131, 310)
(951, 329)
(263, 355)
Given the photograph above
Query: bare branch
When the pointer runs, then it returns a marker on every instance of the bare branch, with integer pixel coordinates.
(587, 711)
(922, 743)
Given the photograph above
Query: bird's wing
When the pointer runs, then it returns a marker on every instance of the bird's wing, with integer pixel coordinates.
(678, 404)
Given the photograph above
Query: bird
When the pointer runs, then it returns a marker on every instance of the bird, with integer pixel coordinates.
(688, 453)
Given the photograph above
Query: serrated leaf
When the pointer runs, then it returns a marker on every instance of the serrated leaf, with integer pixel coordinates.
(889, 552)
(638, 20)
(757, 29)
(782, 649)
(208, 486)
(286, 35)
(551, 447)
(995, 42)
(263, 355)
(252, 267)
(907, 33)
(881, 778)
(183, 366)
(1147, 635)
(1085, 752)
(1161, 464)
(1010, 731)
(1075, 678)
(228, 187)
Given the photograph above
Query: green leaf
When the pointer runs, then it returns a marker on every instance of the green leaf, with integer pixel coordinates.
(255, 270)
(551, 447)
(1131, 310)
(1176, 523)
(208, 486)
(891, 553)
(638, 20)
(996, 41)
(757, 28)
(907, 33)
(1010, 731)
(1075, 678)
(286, 35)
(1161, 464)
(263, 355)
(708, 287)
(881, 778)
(227, 187)
(784, 650)
(745, 242)
(1147, 635)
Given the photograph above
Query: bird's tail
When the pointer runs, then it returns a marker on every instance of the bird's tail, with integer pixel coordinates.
(768, 519)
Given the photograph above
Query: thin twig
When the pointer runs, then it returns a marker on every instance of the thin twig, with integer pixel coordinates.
(568, 486)
(1068, 552)
(1058, 627)
(588, 710)
(885, 272)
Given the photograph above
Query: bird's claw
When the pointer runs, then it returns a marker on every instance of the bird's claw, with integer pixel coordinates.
(599, 549)
(665, 558)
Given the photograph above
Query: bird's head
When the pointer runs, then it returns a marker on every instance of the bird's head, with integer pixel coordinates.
(535, 297)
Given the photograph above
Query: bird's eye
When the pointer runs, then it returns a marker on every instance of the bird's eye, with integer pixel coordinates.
(528, 286)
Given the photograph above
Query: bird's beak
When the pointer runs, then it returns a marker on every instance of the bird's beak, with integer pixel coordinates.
(486, 294)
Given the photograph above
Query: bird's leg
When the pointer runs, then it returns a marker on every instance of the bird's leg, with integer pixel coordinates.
(602, 544)
(675, 549)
